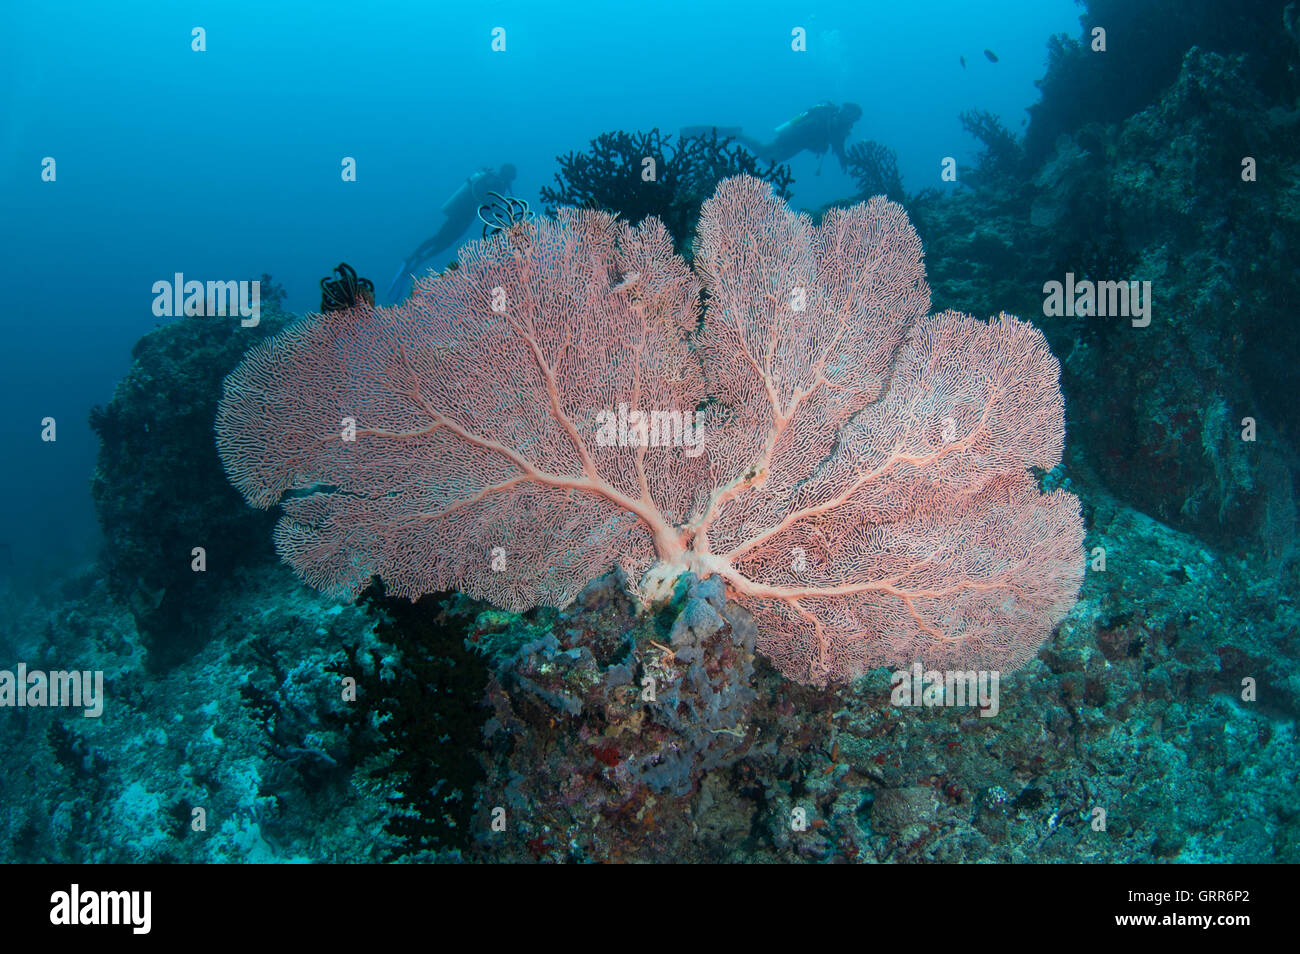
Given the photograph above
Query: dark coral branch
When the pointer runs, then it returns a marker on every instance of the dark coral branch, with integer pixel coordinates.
(614, 175)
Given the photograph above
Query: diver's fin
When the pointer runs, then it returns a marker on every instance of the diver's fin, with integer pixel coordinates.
(401, 280)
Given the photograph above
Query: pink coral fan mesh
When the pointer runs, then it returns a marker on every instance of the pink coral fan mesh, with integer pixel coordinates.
(861, 477)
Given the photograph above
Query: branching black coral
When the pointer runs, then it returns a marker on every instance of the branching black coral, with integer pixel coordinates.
(874, 167)
(614, 175)
(1003, 153)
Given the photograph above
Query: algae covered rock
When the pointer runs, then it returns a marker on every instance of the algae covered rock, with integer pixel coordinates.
(158, 487)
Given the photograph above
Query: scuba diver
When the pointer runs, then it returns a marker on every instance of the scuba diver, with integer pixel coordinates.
(817, 129)
(461, 210)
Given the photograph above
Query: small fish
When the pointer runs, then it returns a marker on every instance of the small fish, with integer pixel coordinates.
(963, 61)
(993, 57)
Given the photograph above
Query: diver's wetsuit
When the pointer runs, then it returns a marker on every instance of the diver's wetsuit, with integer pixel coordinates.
(822, 127)
(461, 210)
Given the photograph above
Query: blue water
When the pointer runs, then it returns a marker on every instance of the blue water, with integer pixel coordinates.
(226, 163)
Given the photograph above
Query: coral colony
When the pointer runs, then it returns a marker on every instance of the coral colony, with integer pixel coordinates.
(668, 521)
(864, 488)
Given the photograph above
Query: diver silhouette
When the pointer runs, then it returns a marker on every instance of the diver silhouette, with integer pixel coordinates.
(817, 129)
(461, 211)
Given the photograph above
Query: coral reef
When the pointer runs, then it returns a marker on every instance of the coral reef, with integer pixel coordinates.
(1002, 154)
(1157, 723)
(859, 474)
(1135, 706)
(874, 168)
(611, 176)
(417, 727)
(240, 751)
(158, 487)
(1145, 45)
(608, 721)
(1159, 197)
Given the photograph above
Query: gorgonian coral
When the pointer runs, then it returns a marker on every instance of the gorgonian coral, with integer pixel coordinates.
(788, 417)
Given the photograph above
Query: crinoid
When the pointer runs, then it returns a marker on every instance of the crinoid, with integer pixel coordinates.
(342, 293)
(502, 212)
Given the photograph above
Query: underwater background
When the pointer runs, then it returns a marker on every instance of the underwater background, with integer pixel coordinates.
(1168, 695)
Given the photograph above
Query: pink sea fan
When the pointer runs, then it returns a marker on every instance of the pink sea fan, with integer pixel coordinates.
(862, 482)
